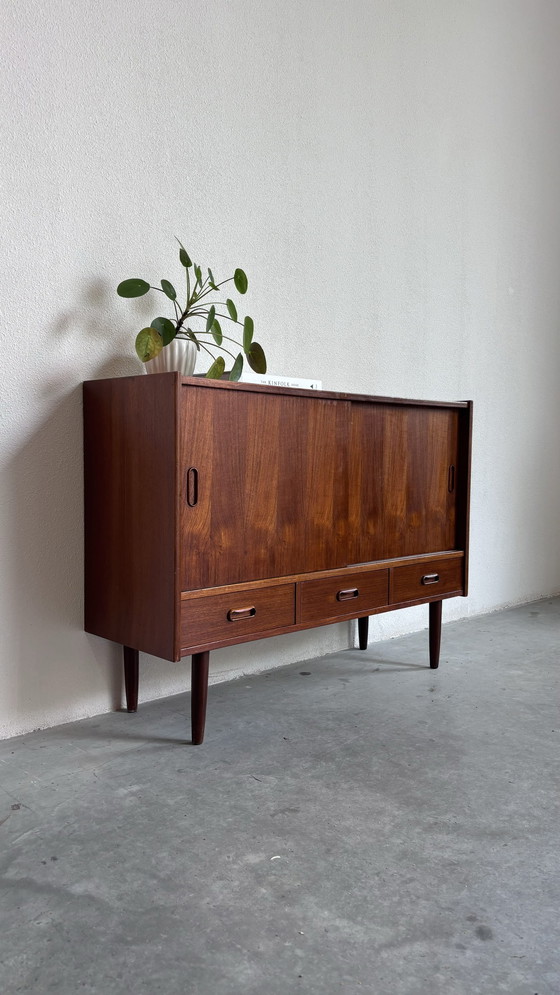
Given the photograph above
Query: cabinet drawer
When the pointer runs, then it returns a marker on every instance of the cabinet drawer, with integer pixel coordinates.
(347, 595)
(427, 579)
(225, 616)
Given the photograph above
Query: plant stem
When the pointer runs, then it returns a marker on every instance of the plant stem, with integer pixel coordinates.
(212, 354)
(210, 290)
(228, 337)
(205, 347)
(207, 350)
(228, 317)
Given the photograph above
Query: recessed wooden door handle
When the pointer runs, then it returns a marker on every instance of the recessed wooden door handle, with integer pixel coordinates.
(348, 594)
(451, 479)
(236, 614)
(192, 486)
(430, 579)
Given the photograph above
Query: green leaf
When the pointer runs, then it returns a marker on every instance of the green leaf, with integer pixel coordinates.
(217, 332)
(184, 257)
(198, 274)
(232, 309)
(237, 368)
(248, 329)
(240, 281)
(257, 358)
(149, 344)
(210, 318)
(169, 289)
(166, 329)
(190, 335)
(217, 368)
(133, 288)
(212, 280)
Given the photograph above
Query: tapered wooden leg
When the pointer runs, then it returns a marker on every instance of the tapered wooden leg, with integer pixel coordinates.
(363, 626)
(199, 695)
(131, 678)
(435, 633)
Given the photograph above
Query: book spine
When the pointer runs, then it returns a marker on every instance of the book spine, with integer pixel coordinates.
(272, 381)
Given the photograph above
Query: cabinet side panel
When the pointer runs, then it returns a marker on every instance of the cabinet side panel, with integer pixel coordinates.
(464, 485)
(130, 511)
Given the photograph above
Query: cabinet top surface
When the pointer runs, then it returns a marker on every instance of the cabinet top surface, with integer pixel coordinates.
(176, 380)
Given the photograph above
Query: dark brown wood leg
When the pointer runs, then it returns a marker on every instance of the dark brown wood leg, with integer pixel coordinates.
(363, 626)
(131, 678)
(435, 633)
(199, 695)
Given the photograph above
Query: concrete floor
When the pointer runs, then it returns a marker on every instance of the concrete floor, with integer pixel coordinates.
(358, 824)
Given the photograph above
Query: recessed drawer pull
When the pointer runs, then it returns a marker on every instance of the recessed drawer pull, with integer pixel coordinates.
(430, 579)
(236, 614)
(348, 594)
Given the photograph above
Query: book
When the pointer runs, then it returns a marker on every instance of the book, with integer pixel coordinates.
(272, 380)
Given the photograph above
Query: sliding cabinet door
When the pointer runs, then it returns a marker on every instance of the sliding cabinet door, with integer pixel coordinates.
(264, 485)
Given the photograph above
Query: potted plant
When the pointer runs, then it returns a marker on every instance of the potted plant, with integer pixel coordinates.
(170, 343)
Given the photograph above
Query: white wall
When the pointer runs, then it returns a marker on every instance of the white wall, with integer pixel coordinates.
(387, 174)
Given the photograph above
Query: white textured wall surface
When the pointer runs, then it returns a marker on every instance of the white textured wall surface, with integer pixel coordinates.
(386, 173)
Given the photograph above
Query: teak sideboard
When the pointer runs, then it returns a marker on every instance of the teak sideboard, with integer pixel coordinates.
(218, 513)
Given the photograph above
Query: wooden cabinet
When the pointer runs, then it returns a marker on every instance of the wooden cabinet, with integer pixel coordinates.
(218, 513)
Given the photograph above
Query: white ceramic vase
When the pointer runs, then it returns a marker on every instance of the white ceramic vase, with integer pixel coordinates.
(178, 356)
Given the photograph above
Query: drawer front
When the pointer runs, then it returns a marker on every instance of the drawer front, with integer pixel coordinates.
(226, 616)
(427, 579)
(347, 595)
